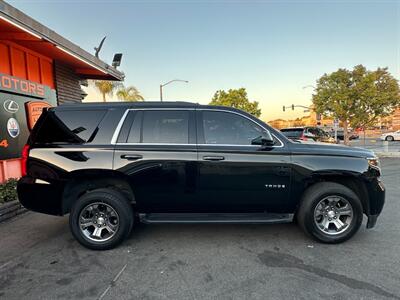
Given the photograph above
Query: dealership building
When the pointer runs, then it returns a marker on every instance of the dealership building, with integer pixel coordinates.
(38, 68)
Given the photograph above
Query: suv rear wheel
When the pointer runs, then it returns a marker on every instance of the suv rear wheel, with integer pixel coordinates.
(101, 219)
(330, 212)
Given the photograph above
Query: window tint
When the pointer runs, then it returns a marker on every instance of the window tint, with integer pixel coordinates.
(134, 133)
(69, 126)
(165, 126)
(229, 128)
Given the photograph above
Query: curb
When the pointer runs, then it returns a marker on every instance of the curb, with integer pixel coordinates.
(11, 209)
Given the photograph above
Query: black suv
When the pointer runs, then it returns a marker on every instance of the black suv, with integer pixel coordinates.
(111, 165)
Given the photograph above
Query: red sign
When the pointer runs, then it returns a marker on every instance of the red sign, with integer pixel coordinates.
(21, 86)
(33, 111)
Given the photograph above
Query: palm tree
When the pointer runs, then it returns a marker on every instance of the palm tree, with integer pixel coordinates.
(129, 93)
(105, 87)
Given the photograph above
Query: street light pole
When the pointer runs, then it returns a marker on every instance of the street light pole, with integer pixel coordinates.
(162, 85)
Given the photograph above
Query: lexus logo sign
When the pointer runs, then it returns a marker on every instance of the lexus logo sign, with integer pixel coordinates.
(11, 106)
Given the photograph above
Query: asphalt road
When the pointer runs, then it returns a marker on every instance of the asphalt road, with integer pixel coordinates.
(39, 259)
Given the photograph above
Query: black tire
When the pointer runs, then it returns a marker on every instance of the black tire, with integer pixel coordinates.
(114, 199)
(312, 196)
(389, 138)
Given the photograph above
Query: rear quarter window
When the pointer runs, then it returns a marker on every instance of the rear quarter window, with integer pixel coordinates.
(69, 126)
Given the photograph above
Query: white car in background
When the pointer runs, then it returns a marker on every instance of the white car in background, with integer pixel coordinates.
(391, 136)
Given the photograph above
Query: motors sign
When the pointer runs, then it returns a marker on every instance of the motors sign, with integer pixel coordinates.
(21, 86)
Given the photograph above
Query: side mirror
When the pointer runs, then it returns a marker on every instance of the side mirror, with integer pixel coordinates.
(266, 140)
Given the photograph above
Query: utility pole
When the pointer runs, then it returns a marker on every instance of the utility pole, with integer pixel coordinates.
(162, 85)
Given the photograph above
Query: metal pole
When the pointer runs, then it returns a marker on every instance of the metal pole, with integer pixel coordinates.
(336, 140)
(162, 85)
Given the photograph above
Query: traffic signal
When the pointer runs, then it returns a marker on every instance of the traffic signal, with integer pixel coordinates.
(284, 108)
(292, 106)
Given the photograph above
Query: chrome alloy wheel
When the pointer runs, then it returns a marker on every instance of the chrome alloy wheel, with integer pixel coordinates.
(98, 222)
(333, 215)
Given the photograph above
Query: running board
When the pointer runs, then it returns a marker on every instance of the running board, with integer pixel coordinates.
(226, 218)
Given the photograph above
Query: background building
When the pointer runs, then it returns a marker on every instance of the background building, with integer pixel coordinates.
(396, 119)
(38, 68)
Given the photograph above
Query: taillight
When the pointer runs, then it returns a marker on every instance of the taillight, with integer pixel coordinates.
(303, 137)
(24, 159)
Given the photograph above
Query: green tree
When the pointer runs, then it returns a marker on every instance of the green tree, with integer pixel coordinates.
(237, 99)
(129, 93)
(106, 87)
(357, 97)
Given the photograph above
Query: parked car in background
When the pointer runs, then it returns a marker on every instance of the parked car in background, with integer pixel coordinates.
(340, 135)
(391, 136)
(308, 133)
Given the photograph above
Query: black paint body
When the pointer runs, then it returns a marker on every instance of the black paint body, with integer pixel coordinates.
(180, 177)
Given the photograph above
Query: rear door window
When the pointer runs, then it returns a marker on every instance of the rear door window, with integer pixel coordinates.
(165, 126)
(130, 131)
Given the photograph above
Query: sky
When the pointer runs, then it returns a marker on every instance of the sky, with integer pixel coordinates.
(272, 48)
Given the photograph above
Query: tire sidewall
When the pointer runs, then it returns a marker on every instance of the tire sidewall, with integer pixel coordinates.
(389, 138)
(118, 202)
(312, 228)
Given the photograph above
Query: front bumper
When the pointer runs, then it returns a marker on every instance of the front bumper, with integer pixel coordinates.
(372, 221)
(376, 191)
(40, 197)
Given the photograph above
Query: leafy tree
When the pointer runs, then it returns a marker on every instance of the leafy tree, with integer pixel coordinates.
(106, 87)
(237, 99)
(357, 97)
(129, 93)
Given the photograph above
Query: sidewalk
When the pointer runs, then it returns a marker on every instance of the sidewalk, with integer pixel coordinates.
(381, 148)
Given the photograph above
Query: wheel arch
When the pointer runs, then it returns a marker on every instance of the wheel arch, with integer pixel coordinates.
(350, 181)
(389, 136)
(83, 181)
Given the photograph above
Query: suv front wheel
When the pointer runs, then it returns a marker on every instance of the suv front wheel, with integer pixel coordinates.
(101, 219)
(330, 212)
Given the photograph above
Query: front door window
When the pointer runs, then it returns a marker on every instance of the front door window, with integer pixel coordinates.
(222, 128)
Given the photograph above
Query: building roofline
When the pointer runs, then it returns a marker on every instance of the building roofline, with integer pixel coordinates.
(26, 23)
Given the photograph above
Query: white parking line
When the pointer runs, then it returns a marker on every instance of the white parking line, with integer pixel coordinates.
(112, 282)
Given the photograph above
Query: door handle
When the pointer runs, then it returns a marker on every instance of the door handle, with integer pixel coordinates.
(213, 158)
(131, 156)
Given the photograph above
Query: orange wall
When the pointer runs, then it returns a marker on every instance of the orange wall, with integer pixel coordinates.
(10, 168)
(24, 63)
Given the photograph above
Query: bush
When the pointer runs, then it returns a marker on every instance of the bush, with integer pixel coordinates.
(8, 190)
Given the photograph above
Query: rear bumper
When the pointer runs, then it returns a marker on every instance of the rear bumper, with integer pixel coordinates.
(40, 197)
